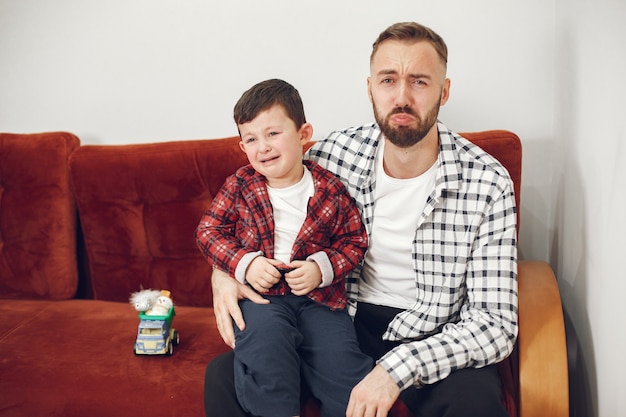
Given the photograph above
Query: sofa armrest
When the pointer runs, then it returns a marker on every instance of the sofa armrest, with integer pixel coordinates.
(543, 374)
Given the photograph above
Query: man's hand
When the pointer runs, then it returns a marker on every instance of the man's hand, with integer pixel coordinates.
(374, 395)
(226, 294)
(304, 278)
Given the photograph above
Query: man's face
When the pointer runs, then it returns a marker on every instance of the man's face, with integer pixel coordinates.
(407, 85)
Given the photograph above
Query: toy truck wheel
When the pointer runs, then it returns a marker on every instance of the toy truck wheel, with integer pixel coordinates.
(176, 338)
(170, 349)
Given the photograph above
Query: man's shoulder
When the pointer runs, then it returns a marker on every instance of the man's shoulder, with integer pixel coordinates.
(350, 137)
(472, 157)
(367, 131)
(345, 144)
(323, 175)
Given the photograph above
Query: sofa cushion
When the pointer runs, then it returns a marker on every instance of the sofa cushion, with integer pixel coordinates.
(139, 206)
(74, 358)
(37, 217)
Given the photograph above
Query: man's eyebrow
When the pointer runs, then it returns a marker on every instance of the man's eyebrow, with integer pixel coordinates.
(394, 72)
(387, 72)
(428, 76)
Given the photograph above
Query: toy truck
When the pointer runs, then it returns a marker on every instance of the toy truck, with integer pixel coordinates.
(155, 334)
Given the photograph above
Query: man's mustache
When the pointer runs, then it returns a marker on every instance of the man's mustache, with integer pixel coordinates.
(405, 110)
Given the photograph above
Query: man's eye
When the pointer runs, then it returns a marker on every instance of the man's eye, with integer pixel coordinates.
(387, 81)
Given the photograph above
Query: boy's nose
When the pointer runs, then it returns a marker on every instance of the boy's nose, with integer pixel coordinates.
(264, 145)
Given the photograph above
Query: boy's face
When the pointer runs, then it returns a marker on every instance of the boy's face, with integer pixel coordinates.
(273, 144)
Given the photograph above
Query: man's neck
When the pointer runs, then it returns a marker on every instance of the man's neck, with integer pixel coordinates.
(411, 162)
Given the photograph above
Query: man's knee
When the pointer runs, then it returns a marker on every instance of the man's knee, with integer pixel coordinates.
(219, 370)
(220, 398)
(467, 392)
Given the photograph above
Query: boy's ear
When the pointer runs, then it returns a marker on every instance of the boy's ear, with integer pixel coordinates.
(306, 133)
(243, 149)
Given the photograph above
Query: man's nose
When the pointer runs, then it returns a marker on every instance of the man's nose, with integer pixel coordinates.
(403, 95)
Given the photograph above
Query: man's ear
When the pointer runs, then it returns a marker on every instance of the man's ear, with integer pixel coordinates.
(306, 133)
(445, 92)
(369, 88)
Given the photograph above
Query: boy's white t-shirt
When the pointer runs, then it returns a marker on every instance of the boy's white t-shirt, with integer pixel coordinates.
(399, 203)
(290, 209)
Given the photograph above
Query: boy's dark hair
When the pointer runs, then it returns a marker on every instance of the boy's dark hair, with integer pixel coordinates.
(411, 31)
(266, 94)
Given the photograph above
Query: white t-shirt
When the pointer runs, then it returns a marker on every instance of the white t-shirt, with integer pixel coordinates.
(388, 276)
(290, 208)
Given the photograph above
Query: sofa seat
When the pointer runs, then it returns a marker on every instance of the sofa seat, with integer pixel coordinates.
(61, 358)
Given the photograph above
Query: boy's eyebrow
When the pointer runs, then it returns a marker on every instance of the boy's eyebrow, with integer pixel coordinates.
(265, 129)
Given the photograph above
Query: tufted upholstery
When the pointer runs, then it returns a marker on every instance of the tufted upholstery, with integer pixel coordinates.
(150, 198)
(37, 217)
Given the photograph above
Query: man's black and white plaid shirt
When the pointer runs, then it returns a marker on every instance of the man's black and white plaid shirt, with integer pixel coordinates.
(464, 256)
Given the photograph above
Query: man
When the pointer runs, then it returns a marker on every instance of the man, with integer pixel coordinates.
(435, 300)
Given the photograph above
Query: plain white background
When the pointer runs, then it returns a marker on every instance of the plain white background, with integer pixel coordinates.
(133, 71)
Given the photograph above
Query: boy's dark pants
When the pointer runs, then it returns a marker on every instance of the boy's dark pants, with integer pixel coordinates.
(292, 339)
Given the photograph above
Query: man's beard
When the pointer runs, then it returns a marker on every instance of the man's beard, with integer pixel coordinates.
(406, 136)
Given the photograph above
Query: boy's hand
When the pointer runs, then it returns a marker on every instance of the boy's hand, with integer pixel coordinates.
(262, 274)
(304, 278)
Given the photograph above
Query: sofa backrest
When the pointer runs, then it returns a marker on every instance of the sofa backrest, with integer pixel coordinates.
(37, 217)
(506, 147)
(139, 206)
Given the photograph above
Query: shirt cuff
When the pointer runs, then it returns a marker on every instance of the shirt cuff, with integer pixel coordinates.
(402, 366)
(321, 259)
(244, 263)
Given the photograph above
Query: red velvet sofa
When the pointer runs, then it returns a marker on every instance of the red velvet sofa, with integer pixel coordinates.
(82, 227)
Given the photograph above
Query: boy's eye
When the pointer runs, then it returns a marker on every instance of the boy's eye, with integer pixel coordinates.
(273, 133)
(248, 140)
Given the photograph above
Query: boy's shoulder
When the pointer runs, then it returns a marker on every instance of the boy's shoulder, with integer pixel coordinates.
(245, 172)
(244, 177)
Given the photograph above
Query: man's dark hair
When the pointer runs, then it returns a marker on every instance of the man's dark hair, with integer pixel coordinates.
(412, 32)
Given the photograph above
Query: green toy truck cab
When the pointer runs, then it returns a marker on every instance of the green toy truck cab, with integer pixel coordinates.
(155, 335)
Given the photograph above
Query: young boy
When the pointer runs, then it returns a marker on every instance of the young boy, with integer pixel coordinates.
(290, 230)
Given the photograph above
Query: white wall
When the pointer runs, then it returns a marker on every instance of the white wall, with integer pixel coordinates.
(131, 71)
(150, 70)
(588, 186)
